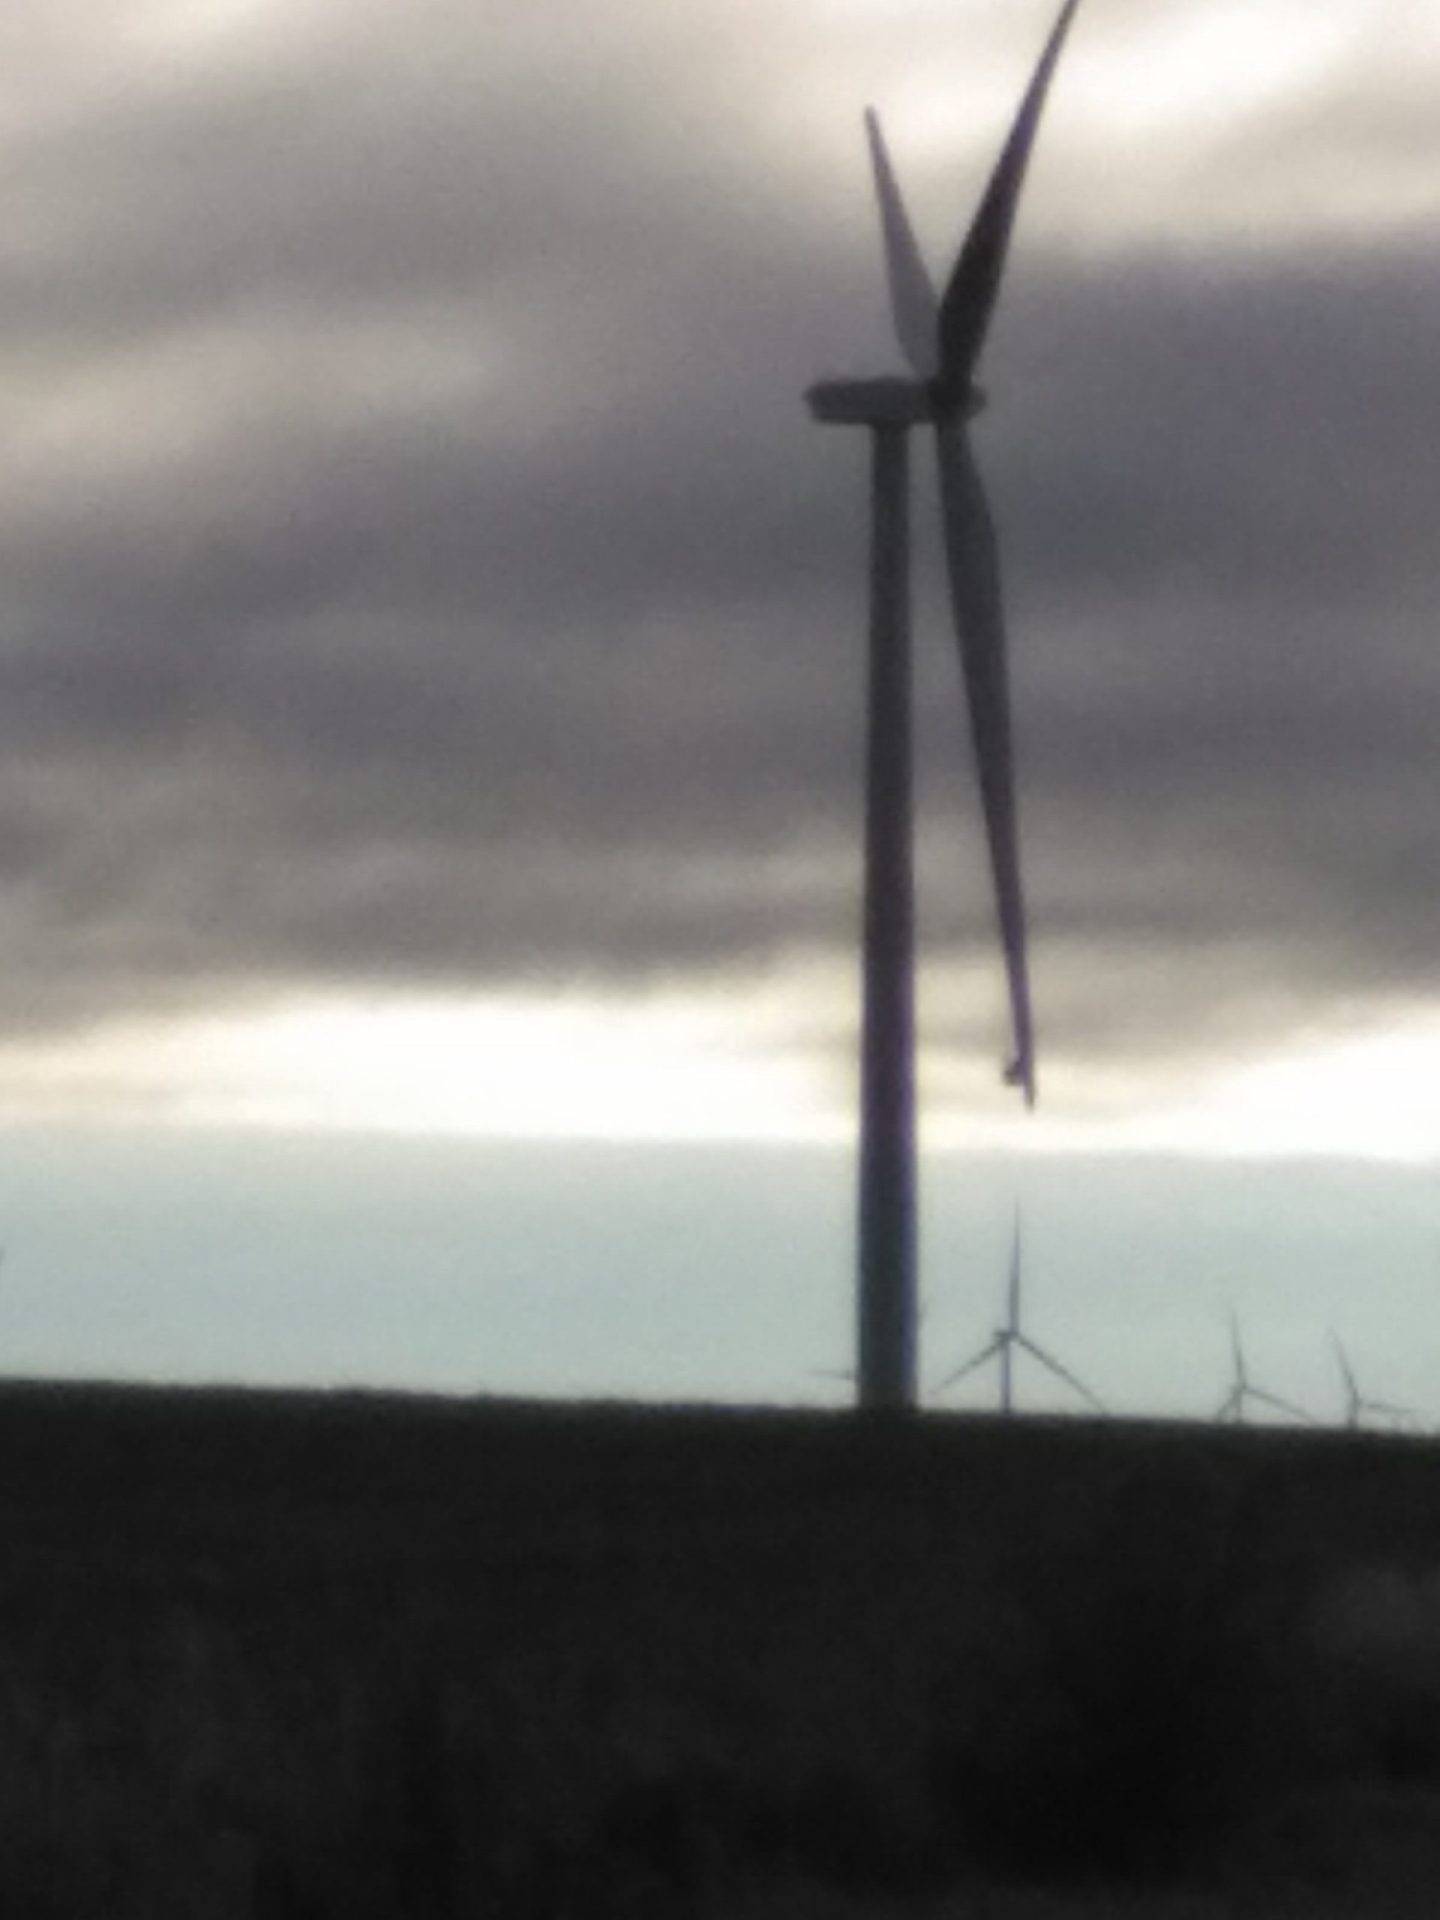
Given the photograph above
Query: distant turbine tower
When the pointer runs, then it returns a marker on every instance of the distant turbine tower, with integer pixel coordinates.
(1232, 1407)
(942, 340)
(1007, 1338)
(1356, 1403)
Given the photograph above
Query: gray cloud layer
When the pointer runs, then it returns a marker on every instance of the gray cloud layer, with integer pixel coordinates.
(416, 565)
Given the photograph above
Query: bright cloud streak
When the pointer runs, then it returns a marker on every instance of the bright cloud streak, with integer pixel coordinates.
(486, 1068)
(682, 1068)
(1373, 1097)
(1220, 63)
(553, 1071)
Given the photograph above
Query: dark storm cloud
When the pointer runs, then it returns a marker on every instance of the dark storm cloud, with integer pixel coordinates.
(416, 566)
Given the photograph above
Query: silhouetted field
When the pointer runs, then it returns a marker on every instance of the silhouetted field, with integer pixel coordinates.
(303, 1656)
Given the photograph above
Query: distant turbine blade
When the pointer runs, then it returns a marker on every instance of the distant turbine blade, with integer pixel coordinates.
(1386, 1407)
(1352, 1388)
(969, 1366)
(1013, 1322)
(974, 569)
(1282, 1406)
(969, 299)
(1061, 1373)
(1237, 1351)
(912, 294)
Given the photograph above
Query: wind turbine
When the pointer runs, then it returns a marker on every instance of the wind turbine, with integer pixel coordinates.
(1007, 1338)
(1356, 1403)
(1241, 1391)
(941, 338)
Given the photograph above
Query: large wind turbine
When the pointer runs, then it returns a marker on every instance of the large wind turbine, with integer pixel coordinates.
(941, 337)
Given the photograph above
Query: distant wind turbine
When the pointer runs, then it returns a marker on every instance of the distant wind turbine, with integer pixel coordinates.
(1006, 1339)
(1241, 1391)
(942, 339)
(1356, 1403)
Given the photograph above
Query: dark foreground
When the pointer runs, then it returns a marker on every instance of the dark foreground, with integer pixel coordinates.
(296, 1657)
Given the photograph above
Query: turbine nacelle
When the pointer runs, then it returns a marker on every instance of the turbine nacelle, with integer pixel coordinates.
(889, 400)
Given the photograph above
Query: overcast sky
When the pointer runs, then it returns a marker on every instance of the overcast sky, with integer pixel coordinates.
(419, 576)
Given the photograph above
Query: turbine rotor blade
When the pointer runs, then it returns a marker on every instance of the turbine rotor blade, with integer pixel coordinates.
(1282, 1406)
(1345, 1367)
(979, 615)
(1014, 1305)
(969, 298)
(913, 303)
(1061, 1373)
(968, 1366)
(1237, 1351)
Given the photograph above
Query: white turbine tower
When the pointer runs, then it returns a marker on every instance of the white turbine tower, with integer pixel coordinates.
(1004, 1341)
(942, 339)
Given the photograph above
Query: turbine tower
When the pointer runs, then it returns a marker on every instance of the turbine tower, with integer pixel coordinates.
(1002, 1345)
(942, 341)
(1241, 1391)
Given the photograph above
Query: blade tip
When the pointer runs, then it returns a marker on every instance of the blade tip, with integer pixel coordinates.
(1020, 1072)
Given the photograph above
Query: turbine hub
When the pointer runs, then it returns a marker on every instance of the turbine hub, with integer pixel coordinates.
(948, 405)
